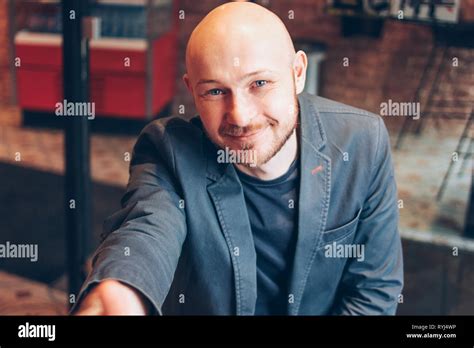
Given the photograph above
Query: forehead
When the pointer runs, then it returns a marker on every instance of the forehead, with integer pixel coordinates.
(233, 60)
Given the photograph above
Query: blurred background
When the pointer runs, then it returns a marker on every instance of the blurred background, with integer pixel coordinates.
(363, 53)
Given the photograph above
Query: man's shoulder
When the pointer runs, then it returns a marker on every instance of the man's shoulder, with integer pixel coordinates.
(347, 127)
(170, 136)
(166, 124)
(342, 120)
(171, 127)
(328, 108)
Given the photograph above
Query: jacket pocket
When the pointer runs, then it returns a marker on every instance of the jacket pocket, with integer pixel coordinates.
(339, 233)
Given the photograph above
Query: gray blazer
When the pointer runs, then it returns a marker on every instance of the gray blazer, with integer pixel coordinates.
(183, 237)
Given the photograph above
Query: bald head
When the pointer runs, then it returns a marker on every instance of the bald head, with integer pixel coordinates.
(244, 76)
(234, 29)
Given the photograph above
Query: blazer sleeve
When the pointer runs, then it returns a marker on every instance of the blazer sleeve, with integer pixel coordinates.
(142, 242)
(372, 287)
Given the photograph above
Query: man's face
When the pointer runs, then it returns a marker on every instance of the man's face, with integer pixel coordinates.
(246, 98)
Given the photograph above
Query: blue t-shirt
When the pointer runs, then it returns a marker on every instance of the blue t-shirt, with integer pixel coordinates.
(272, 209)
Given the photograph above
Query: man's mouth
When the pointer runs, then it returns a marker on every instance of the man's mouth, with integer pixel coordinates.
(248, 135)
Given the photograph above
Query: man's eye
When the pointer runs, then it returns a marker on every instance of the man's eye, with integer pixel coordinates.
(215, 91)
(260, 83)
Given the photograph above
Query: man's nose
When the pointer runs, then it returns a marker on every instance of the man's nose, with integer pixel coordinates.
(241, 111)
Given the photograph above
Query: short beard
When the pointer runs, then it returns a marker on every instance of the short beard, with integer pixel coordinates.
(284, 139)
(278, 144)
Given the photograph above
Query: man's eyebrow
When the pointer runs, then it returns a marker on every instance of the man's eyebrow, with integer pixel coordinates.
(246, 76)
(201, 82)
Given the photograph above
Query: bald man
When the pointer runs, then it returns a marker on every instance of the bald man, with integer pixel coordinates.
(270, 202)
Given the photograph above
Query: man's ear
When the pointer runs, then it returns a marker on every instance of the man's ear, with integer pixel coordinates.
(187, 82)
(300, 65)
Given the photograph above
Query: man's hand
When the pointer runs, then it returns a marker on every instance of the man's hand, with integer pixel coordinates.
(111, 297)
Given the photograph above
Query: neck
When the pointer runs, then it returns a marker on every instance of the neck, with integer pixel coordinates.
(278, 164)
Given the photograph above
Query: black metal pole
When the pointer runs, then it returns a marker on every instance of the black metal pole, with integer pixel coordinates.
(77, 156)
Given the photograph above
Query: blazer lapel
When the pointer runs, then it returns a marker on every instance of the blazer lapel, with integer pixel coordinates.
(227, 196)
(314, 195)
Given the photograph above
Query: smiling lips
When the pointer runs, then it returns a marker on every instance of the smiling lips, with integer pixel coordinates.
(248, 133)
